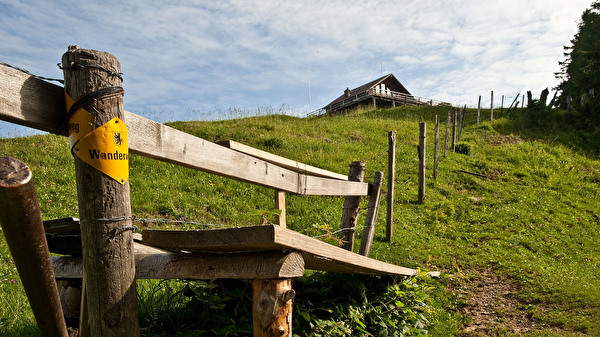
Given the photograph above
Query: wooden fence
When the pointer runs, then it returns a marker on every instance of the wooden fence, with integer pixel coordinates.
(278, 254)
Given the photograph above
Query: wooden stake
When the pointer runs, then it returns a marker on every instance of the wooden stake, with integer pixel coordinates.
(460, 121)
(104, 208)
(436, 146)
(22, 226)
(422, 144)
(389, 230)
(351, 207)
(280, 205)
(454, 131)
(272, 307)
(371, 218)
(447, 136)
(492, 105)
(478, 110)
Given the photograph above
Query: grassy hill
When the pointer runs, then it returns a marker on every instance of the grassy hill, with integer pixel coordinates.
(519, 248)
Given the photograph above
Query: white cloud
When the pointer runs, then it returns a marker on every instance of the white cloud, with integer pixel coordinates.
(186, 55)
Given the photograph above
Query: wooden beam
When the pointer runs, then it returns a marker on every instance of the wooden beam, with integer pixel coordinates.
(282, 161)
(22, 227)
(317, 255)
(152, 263)
(31, 102)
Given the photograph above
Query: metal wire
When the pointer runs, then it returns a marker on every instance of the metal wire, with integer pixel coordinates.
(29, 73)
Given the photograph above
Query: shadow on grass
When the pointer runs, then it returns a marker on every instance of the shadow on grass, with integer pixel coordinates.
(567, 128)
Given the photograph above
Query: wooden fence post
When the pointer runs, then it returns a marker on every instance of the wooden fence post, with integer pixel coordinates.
(478, 110)
(454, 131)
(272, 307)
(502, 105)
(422, 141)
(371, 218)
(351, 207)
(24, 232)
(436, 146)
(447, 136)
(93, 80)
(492, 105)
(280, 219)
(389, 230)
(461, 114)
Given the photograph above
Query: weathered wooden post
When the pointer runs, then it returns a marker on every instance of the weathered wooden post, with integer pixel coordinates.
(422, 141)
(447, 136)
(492, 105)
(461, 113)
(24, 231)
(281, 218)
(478, 110)
(100, 150)
(371, 218)
(454, 131)
(272, 307)
(389, 231)
(351, 207)
(436, 146)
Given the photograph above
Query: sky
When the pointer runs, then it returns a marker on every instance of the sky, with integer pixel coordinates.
(198, 60)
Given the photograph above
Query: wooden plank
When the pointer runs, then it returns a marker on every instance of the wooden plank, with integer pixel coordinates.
(152, 263)
(155, 140)
(282, 161)
(29, 101)
(317, 255)
(32, 102)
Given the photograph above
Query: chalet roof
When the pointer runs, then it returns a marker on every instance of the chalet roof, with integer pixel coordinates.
(363, 88)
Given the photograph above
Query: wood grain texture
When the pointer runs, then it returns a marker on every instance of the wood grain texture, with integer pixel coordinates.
(164, 143)
(29, 101)
(272, 307)
(317, 255)
(22, 227)
(372, 212)
(152, 263)
(108, 256)
(351, 207)
(282, 161)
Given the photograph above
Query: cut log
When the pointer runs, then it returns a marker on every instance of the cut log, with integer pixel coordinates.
(152, 263)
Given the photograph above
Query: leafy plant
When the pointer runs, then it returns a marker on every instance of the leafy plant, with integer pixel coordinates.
(350, 305)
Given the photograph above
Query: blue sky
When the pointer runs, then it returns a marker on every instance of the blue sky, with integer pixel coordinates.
(197, 59)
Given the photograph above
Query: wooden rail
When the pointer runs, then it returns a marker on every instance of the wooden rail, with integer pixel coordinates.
(28, 101)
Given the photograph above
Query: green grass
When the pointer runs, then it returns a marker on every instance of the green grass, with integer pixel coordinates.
(533, 221)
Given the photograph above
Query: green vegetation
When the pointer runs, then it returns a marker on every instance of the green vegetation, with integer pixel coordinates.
(580, 71)
(531, 226)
